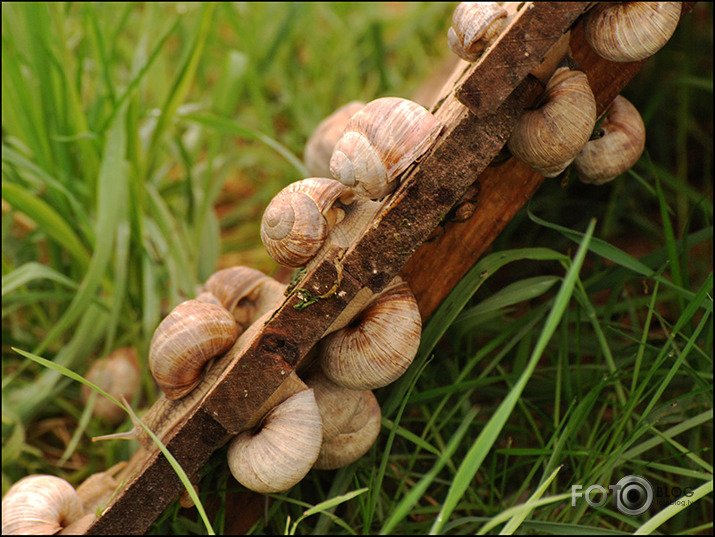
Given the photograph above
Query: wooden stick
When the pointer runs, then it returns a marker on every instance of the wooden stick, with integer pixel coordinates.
(495, 90)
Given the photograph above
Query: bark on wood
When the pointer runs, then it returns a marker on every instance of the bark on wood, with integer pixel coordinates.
(496, 89)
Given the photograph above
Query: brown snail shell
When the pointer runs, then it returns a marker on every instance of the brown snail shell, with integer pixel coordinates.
(617, 150)
(475, 25)
(245, 292)
(191, 335)
(40, 505)
(378, 346)
(298, 219)
(548, 138)
(117, 374)
(319, 146)
(380, 142)
(630, 31)
(283, 450)
(351, 421)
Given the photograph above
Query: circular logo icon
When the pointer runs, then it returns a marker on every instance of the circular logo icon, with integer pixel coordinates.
(634, 495)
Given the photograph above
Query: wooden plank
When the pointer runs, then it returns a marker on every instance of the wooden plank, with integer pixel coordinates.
(227, 402)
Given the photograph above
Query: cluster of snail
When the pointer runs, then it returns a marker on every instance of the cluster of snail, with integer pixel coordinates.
(357, 156)
(560, 130)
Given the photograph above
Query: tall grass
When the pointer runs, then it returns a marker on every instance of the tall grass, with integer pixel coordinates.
(140, 145)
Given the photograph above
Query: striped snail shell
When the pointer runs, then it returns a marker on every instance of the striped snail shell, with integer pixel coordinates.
(40, 505)
(191, 335)
(298, 219)
(549, 137)
(378, 346)
(475, 25)
(618, 148)
(380, 142)
(630, 31)
(284, 448)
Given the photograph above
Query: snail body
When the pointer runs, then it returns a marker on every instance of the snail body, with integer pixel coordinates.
(548, 138)
(297, 221)
(475, 25)
(617, 149)
(630, 31)
(380, 142)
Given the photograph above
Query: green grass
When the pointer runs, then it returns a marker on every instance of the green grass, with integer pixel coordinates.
(141, 143)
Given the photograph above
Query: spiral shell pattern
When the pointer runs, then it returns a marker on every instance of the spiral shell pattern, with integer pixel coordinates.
(378, 346)
(617, 150)
(117, 374)
(298, 219)
(284, 449)
(191, 335)
(380, 142)
(548, 138)
(39, 505)
(630, 31)
(475, 25)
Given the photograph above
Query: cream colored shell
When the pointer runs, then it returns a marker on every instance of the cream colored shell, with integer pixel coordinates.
(298, 219)
(191, 335)
(245, 292)
(378, 346)
(351, 421)
(475, 25)
(117, 374)
(380, 142)
(548, 138)
(40, 505)
(283, 450)
(320, 145)
(617, 150)
(630, 31)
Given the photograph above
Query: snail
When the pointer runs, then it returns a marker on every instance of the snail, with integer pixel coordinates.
(378, 345)
(191, 335)
(548, 138)
(475, 25)
(284, 448)
(95, 491)
(117, 373)
(40, 505)
(319, 146)
(380, 142)
(351, 421)
(245, 292)
(619, 147)
(630, 31)
(297, 220)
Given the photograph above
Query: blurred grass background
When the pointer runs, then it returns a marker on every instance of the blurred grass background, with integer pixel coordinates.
(141, 142)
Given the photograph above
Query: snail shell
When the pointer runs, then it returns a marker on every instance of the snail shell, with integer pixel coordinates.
(548, 138)
(245, 292)
(40, 505)
(380, 142)
(191, 335)
(351, 421)
(605, 158)
(378, 346)
(630, 31)
(117, 374)
(298, 219)
(283, 450)
(319, 146)
(475, 25)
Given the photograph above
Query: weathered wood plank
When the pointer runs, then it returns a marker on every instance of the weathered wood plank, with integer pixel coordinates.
(468, 143)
